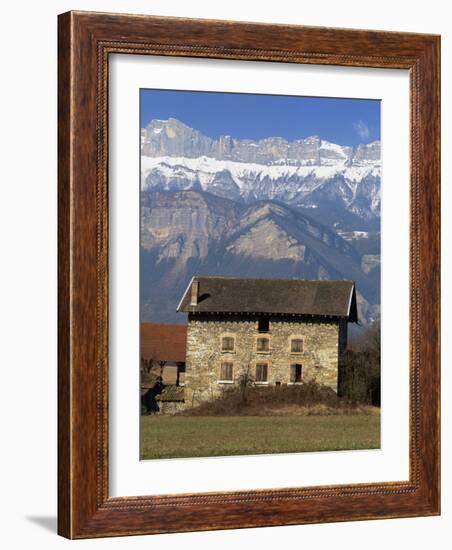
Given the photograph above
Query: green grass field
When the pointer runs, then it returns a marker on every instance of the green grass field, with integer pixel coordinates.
(184, 436)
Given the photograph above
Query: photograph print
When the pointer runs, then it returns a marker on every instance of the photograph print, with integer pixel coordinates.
(259, 274)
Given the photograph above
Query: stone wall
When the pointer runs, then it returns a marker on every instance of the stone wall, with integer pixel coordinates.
(319, 358)
(170, 407)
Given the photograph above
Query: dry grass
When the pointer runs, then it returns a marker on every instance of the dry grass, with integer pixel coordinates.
(309, 399)
(321, 410)
(184, 436)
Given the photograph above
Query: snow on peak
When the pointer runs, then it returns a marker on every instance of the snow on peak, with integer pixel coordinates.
(334, 147)
(205, 168)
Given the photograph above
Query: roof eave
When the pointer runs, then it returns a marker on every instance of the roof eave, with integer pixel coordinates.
(268, 313)
(179, 308)
(352, 314)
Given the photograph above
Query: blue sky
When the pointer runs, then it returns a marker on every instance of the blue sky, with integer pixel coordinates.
(253, 116)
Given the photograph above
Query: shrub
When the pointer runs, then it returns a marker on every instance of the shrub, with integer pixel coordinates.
(246, 399)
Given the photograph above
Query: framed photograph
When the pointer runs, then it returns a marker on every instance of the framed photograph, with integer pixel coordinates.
(248, 275)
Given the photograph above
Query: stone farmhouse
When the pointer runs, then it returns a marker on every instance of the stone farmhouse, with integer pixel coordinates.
(270, 331)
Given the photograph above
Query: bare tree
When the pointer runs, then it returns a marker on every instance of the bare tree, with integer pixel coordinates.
(359, 374)
(245, 381)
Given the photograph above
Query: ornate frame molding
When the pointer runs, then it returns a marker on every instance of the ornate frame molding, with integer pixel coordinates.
(85, 42)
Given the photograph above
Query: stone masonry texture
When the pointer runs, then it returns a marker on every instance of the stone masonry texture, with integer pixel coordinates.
(323, 343)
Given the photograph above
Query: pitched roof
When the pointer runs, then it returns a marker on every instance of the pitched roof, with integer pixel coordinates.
(163, 342)
(272, 296)
(171, 393)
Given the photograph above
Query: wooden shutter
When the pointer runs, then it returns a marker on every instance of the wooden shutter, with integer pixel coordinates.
(227, 343)
(263, 344)
(296, 345)
(261, 372)
(226, 371)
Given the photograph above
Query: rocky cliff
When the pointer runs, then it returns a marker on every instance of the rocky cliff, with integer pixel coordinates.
(184, 233)
(267, 208)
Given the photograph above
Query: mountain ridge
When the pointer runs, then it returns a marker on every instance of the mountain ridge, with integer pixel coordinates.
(178, 157)
(185, 233)
(160, 138)
(303, 209)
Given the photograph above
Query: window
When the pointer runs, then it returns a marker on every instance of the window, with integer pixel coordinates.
(295, 373)
(263, 324)
(226, 372)
(227, 343)
(262, 372)
(263, 345)
(296, 345)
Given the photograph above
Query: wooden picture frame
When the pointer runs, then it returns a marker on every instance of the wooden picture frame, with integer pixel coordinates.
(86, 40)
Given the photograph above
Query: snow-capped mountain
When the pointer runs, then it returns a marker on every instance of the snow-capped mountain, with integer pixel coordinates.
(267, 208)
(306, 173)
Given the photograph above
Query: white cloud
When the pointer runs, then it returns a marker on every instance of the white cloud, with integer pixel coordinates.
(361, 129)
